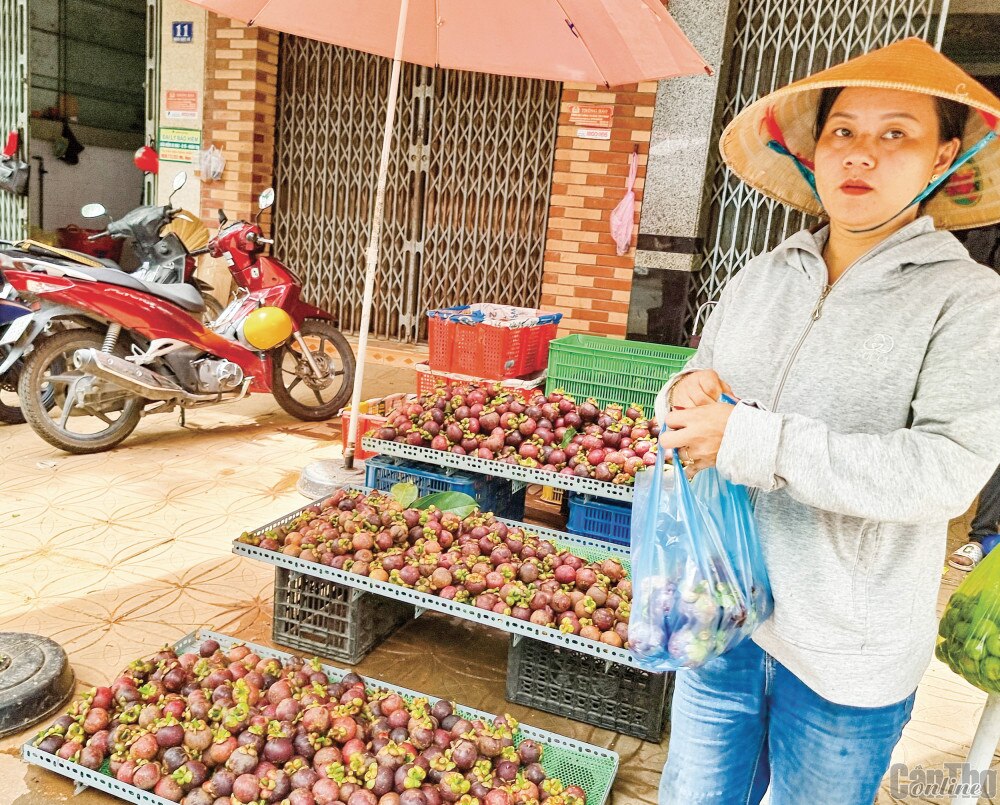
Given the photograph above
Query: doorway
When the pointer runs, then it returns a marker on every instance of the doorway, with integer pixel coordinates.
(468, 185)
(86, 114)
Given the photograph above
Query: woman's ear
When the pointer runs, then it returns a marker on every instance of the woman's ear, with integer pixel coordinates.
(946, 155)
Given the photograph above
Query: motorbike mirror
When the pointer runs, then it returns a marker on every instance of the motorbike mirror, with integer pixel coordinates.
(179, 181)
(222, 217)
(266, 200)
(93, 211)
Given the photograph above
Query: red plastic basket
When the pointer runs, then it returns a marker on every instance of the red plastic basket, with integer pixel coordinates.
(428, 381)
(514, 342)
(372, 415)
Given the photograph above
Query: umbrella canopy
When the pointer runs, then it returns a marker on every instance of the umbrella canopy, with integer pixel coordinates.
(610, 42)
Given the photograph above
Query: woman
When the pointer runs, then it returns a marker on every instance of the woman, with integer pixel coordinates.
(867, 356)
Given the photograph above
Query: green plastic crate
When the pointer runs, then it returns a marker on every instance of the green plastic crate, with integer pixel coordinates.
(612, 370)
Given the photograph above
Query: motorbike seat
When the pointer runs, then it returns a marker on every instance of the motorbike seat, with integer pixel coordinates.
(59, 254)
(102, 260)
(181, 294)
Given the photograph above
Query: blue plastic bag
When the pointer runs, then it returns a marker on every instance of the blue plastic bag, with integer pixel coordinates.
(699, 581)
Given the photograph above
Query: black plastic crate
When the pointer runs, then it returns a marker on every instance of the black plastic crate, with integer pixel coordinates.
(565, 682)
(330, 620)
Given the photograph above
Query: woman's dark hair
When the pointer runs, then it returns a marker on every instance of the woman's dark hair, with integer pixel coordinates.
(952, 115)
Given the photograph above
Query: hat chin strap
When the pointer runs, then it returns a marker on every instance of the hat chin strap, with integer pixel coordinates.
(804, 169)
(934, 185)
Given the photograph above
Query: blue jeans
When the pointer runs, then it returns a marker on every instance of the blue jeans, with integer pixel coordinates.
(744, 720)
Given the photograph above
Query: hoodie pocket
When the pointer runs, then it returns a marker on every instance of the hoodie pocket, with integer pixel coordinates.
(861, 577)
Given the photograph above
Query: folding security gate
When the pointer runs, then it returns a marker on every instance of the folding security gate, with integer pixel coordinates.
(777, 42)
(14, 106)
(467, 193)
(151, 83)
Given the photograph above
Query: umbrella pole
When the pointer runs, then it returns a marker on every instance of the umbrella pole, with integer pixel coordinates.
(374, 243)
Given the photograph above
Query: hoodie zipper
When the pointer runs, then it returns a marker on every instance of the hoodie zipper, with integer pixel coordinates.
(817, 313)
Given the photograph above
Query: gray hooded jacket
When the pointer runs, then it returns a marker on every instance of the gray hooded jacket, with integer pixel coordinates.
(879, 420)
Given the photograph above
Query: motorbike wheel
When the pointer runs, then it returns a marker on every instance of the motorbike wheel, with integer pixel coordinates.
(10, 405)
(295, 387)
(213, 308)
(49, 374)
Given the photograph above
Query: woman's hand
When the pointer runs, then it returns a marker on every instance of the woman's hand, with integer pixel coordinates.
(698, 388)
(697, 434)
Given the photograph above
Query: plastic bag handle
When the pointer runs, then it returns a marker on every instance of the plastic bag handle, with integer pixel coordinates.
(633, 169)
(658, 466)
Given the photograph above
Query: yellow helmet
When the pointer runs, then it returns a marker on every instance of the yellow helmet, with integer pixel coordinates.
(265, 328)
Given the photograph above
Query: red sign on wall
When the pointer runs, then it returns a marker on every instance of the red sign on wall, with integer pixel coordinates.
(591, 115)
(181, 104)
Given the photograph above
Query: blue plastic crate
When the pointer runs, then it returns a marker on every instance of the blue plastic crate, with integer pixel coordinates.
(493, 494)
(600, 519)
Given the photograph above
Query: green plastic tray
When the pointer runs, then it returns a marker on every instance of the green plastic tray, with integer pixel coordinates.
(575, 763)
(611, 370)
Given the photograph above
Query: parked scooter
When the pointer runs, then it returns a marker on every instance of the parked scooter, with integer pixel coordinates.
(140, 350)
(164, 238)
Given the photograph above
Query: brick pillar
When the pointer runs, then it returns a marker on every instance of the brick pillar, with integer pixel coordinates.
(584, 278)
(241, 81)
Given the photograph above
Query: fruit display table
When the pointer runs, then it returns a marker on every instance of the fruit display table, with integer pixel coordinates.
(355, 566)
(591, 550)
(552, 440)
(528, 753)
(515, 472)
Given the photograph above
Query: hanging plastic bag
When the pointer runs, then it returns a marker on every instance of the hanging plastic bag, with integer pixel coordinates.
(730, 507)
(623, 216)
(969, 633)
(699, 580)
(210, 164)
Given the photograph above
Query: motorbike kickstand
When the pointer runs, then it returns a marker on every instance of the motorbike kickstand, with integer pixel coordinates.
(182, 418)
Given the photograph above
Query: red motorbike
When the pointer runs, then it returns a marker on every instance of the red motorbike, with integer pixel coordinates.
(142, 347)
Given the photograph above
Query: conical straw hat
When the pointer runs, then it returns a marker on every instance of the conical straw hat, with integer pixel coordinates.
(969, 198)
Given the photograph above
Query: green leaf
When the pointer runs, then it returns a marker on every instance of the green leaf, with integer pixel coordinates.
(456, 502)
(405, 493)
(567, 438)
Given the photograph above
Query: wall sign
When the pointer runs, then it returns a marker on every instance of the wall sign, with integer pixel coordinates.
(594, 134)
(591, 115)
(183, 32)
(178, 145)
(181, 104)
